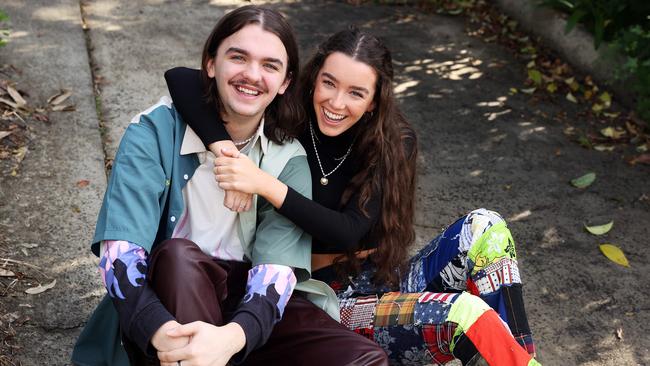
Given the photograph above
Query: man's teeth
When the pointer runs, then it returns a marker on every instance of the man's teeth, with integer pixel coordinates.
(333, 116)
(248, 91)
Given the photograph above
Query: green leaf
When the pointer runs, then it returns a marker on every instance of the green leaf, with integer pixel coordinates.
(606, 99)
(584, 181)
(615, 254)
(600, 229)
(573, 20)
(535, 76)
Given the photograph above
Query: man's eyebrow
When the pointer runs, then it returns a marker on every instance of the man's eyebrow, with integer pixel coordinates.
(359, 88)
(246, 53)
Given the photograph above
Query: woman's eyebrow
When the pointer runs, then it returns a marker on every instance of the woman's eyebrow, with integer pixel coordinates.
(359, 88)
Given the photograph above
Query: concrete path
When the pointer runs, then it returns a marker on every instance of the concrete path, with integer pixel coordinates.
(480, 147)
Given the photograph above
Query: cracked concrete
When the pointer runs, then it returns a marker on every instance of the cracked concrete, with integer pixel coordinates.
(480, 147)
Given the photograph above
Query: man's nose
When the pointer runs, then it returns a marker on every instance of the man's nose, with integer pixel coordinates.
(252, 72)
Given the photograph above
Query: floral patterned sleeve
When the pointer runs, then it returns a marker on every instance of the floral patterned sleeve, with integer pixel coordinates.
(123, 268)
(268, 290)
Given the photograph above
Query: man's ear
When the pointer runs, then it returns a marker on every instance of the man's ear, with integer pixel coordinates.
(210, 68)
(285, 85)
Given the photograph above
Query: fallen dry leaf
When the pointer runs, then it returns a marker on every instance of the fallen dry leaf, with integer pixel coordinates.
(600, 147)
(9, 103)
(64, 108)
(615, 254)
(60, 97)
(40, 288)
(614, 133)
(41, 117)
(641, 159)
(4, 134)
(571, 98)
(15, 95)
(83, 183)
(619, 333)
(6, 273)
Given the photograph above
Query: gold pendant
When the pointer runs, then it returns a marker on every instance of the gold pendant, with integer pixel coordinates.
(324, 181)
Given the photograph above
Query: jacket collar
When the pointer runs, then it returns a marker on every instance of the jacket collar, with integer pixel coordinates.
(192, 144)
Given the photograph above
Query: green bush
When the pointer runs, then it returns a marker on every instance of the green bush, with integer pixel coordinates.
(634, 44)
(604, 18)
(4, 33)
(625, 24)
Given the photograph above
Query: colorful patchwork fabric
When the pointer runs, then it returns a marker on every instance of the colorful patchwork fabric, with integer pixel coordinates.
(395, 308)
(438, 339)
(403, 344)
(475, 254)
(358, 312)
(432, 308)
(492, 246)
(492, 277)
(499, 348)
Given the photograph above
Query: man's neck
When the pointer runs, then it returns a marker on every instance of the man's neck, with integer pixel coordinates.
(240, 128)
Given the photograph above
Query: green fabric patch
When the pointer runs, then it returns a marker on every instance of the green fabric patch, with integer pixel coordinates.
(496, 243)
(464, 312)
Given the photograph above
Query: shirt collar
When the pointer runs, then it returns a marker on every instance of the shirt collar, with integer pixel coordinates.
(192, 144)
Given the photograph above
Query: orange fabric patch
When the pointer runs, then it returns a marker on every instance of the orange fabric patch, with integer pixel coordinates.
(498, 347)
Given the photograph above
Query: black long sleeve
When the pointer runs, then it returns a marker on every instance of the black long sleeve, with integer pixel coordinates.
(186, 89)
(334, 231)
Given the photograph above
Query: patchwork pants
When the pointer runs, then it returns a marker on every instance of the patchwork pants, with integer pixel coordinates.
(461, 294)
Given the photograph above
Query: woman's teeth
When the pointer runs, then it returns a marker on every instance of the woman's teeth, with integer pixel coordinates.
(333, 116)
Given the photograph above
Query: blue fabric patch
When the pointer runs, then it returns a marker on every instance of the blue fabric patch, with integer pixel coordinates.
(431, 312)
(403, 344)
(445, 249)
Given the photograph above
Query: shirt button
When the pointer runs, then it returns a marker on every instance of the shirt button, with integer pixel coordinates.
(172, 219)
(186, 177)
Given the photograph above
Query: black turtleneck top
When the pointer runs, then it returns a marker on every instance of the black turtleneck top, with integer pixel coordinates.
(333, 227)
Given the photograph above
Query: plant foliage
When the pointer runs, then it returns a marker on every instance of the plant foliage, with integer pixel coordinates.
(4, 33)
(625, 24)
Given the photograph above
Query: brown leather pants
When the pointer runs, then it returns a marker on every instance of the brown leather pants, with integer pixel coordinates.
(194, 286)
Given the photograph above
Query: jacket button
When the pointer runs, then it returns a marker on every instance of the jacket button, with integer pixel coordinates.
(172, 219)
(186, 177)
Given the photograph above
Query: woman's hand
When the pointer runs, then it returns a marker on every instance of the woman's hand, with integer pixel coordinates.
(209, 345)
(235, 171)
(233, 200)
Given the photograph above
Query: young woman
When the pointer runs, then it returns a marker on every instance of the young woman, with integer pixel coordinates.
(361, 152)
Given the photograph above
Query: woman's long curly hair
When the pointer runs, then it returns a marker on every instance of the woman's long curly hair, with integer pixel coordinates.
(386, 147)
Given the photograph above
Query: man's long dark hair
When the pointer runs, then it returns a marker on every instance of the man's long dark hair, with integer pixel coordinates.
(284, 117)
(387, 147)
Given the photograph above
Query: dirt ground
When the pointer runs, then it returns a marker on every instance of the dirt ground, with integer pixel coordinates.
(480, 146)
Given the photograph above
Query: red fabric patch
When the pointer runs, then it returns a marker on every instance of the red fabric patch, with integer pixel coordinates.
(471, 287)
(495, 343)
(437, 339)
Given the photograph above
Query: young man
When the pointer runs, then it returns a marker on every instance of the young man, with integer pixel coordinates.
(172, 254)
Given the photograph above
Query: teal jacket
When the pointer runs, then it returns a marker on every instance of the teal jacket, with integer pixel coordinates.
(144, 199)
